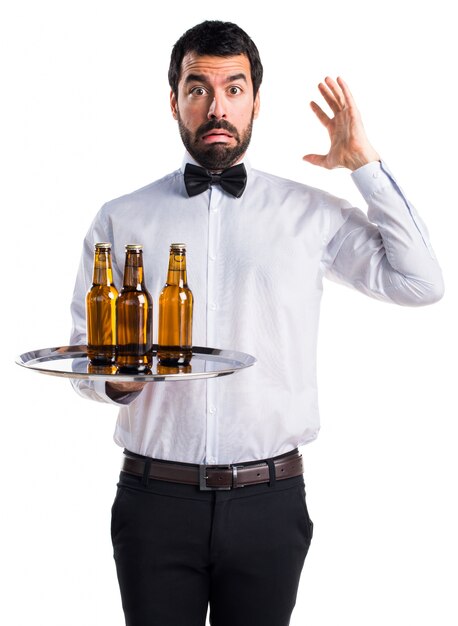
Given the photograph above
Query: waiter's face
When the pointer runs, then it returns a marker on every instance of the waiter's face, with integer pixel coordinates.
(215, 108)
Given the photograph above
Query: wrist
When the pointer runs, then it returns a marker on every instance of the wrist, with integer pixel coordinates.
(363, 158)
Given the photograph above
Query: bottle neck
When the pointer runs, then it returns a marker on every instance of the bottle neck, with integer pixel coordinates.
(133, 272)
(103, 273)
(177, 269)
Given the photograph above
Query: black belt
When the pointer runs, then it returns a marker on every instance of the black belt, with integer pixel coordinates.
(215, 477)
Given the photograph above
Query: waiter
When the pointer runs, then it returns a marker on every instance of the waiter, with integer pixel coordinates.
(210, 509)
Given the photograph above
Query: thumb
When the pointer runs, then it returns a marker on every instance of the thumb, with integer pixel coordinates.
(315, 159)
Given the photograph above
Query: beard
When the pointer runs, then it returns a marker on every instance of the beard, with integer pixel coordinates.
(216, 156)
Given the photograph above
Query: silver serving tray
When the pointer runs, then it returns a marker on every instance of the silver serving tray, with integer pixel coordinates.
(72, 362)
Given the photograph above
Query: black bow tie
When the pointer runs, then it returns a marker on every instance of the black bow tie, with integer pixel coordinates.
(198, 179)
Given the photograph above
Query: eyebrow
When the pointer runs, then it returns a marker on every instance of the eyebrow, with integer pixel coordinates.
(201, 78)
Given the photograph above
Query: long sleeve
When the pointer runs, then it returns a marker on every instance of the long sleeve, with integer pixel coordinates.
(387, 254)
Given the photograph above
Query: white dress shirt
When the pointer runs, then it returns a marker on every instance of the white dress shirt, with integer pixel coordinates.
(255, 266)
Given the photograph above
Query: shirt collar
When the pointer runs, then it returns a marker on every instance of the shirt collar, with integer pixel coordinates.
(189, 159)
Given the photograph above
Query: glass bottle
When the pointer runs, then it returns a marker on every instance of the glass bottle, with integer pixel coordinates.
(134, 313)
(101, 309)
(175, 312)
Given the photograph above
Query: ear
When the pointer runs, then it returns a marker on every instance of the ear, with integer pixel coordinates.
(173, 105)
(256, 105)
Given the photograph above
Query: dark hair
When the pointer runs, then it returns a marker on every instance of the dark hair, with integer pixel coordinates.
(215, 38)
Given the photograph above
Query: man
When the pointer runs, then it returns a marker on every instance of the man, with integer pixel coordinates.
(258, 248)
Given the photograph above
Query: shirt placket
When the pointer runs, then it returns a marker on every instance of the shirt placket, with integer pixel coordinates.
(214, 217)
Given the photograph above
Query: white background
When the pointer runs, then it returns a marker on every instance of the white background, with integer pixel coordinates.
(85, 118)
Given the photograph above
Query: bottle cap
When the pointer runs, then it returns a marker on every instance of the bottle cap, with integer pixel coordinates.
(178, 246)
(102, 246)
(134, 246)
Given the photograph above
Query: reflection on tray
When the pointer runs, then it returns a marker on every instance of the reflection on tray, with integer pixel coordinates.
(100, 369)
(174, 369)
(83, 366)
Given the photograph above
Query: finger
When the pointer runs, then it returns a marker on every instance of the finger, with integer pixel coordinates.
(315, 159)
(346, 92)
(332, 102)
(321, 115)
(336, 92)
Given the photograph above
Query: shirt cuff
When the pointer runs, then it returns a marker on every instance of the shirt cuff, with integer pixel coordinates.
(371, 178)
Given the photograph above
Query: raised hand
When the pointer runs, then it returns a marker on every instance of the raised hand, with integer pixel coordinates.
(349, 144)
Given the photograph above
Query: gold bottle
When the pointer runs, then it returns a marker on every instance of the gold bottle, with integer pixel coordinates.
(101, 309)
(134, 313)
(175, 312)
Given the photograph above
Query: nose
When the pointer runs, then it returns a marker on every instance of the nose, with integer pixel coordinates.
(216, 110)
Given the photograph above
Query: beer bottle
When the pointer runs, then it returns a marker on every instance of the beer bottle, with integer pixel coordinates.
(101, 309)
(134, 313)
(175, 312)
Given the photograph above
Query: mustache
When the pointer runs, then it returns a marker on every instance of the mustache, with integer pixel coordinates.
(217, 125)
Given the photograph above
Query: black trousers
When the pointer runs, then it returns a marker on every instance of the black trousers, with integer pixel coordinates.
(179, 550)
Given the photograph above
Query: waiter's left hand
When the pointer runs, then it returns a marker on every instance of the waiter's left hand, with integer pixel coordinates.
(115, 390)
(349, 144)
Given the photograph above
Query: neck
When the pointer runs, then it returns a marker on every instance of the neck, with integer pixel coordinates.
(177, 274)
(213, 170)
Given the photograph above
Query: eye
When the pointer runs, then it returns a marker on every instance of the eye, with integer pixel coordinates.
(234, 90)
(198, 91)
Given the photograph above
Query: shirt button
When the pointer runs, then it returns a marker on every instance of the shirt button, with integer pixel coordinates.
(376, 174)
(212, 257)
(212, 409)
(213, 306)
(211, 460)
(215, 209)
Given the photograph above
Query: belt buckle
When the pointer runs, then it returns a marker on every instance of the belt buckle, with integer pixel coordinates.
(203, 477)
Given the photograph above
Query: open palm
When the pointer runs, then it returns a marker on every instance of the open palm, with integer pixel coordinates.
(349, 144)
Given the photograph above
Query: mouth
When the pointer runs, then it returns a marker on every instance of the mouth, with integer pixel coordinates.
(217, 136)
